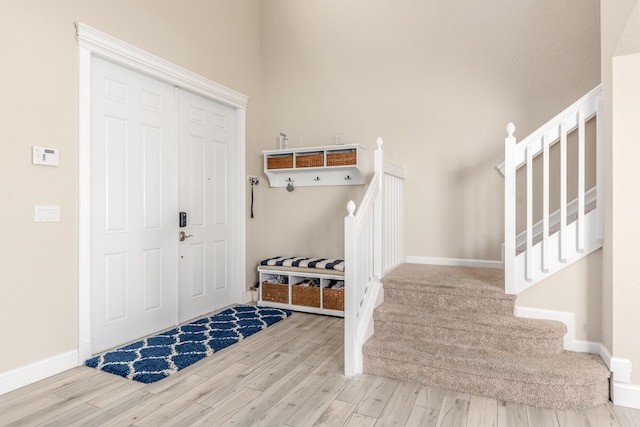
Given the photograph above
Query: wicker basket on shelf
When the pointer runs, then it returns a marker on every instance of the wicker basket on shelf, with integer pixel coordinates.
(342, 158)
(275, 292)
(280, 162)
(309, 160)
(333, 299)
(307, 296)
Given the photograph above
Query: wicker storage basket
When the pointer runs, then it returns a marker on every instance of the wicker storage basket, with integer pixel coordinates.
(275, 292)
(333, 299)
(307, 296)
(309, 160)
(341, 158)
(280, 162)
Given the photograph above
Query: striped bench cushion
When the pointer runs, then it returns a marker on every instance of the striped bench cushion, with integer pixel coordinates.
(304, 262)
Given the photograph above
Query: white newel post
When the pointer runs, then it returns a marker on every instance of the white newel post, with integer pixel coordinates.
(510, 210)
(350, 293)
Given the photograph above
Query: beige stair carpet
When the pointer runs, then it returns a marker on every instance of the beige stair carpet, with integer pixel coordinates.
(453, 327)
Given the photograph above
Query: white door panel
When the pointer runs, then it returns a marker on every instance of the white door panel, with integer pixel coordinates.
(142, 279)
(206, 134)
(133, 205)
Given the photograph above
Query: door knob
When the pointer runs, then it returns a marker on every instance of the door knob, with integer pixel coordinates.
(182, 236)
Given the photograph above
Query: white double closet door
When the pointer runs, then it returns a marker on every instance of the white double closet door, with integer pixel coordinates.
(156, 151)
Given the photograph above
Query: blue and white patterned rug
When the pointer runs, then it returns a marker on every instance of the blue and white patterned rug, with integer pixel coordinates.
(161, 355)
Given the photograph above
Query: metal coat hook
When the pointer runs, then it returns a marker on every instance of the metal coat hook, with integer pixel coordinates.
(253, 181)
(348, 177)
(317, 178)
(289, 185)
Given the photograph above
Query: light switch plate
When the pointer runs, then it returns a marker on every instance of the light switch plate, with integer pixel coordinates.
(46, 213)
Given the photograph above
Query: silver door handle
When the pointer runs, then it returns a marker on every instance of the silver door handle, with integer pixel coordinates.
(183, 236)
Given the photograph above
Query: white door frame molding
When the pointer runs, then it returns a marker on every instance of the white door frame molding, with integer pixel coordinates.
(93, 42)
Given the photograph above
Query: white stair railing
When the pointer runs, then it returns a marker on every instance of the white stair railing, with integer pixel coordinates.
(572, 232)
(393, 202)
(373, 245)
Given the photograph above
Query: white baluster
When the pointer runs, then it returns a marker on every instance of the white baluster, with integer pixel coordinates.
(581, 179)
(600, 169)
(545, 204)
(563, 192)
(529, 251)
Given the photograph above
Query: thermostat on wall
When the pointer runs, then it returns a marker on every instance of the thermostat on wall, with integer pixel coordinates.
(45, 156)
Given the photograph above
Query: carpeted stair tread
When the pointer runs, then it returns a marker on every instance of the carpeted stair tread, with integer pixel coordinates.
(564, 368)
(453, 280)
(472, 322)
(441, 299)
(451, 289)
(556, 396)
(488, 331)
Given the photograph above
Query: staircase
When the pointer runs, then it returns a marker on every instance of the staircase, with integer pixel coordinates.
(454, 328)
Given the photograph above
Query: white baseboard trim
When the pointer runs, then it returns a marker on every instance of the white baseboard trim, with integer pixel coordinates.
(569, 319)
(621, 368)
(626, 395)
(20, 377)
(587, 347)
(455, 262)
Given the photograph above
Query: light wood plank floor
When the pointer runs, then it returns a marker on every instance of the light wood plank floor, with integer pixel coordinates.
(287, 375)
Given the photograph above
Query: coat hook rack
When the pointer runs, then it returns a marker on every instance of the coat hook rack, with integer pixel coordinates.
(334, 165)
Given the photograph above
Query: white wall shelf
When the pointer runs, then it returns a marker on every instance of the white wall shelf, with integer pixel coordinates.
(316, 166)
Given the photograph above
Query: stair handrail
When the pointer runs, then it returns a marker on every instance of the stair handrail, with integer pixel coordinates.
(588, 103)
(518, 154)
(373, 245)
